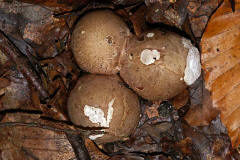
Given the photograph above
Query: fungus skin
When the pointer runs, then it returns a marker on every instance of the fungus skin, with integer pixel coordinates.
(103, 101)
(161, 77)
(97, 41)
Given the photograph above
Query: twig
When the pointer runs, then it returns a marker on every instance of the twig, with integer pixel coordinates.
(232, 5)
(29, 154)
(6, 124)
(78, 131)
(23, 64)
(78, 146)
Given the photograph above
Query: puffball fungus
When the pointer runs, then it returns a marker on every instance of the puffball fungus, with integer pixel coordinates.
(161, 66)
(103, 101)
(97, 41)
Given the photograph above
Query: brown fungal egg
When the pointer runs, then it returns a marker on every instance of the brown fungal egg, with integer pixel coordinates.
(104, 101)
(160, 66)
(97, 41)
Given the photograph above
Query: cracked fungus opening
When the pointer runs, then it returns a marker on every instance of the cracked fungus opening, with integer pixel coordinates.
(102, 101)
(150, 35)
(158, 71)
(193, 64)
(96, 115)
(149, 56)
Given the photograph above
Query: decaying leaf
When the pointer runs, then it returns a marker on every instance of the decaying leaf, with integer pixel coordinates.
(199, 12)
(76, 3)
(137, 20)
(168, 12)
(63, 4)
(181, 99)
(203, 113)
(15, 92)
(36, 25)
(221, 63)
(178, 13)
(61, 75)
(24, 142)
(35, 33)
(208, 142)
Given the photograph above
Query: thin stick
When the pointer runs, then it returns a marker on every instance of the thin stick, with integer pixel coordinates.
(23, 64)
(78, 146)
(69, 131)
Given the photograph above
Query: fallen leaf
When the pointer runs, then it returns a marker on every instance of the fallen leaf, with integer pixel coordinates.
(4, 82)
(185, 145)
(199, 12)
(208, 142)
(181, 99)
(49, 35)
(58, 6)
(25, 142)
(166, 12)
(62, 75)
(137, 20)
(127, 157)
(37, 25)
(221, 64)
(203, 113)
(16, 93)
(152, 111)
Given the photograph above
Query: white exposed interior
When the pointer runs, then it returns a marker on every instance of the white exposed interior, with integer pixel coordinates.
(193, 64)
(96, 115)
(149, 35)
(93, 137)
(149, 56)
(110, 111)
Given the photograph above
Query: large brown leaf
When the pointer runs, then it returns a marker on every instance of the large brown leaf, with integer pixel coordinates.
(221, 63)
(19, 142)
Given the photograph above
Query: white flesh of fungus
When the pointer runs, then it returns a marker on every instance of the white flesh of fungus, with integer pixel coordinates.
(96, 115)
(149, 35)
(193, 65)
(149, 56)
(93, 137)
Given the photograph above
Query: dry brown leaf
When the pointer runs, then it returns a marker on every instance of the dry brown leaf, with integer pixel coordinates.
(199, 12)
(221, 63)
(152, 111)
(56, 3)
(209, 142)
(138, 21)
(37, 25)
(201, 111)
(181, 99)
(49, 35)
(4, 82)
(185, 145)
(27, 143)
(201, 114)
(61, 76)
(16, 94)
(164, 11)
